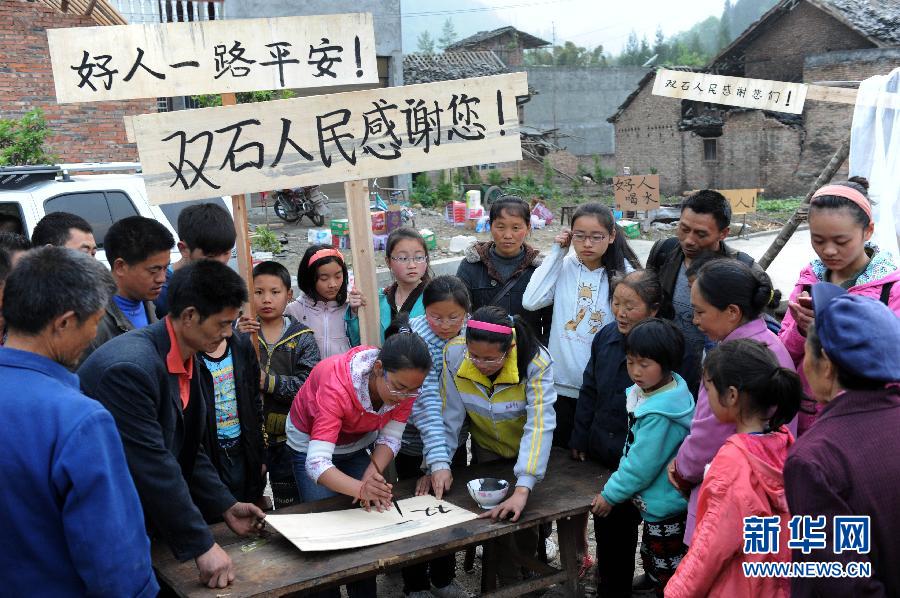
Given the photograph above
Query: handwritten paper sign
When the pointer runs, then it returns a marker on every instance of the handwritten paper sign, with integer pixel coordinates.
(331, 138)
(743, 201)
(354, 528)
(92, 64)
(777, 96)
(636, 193)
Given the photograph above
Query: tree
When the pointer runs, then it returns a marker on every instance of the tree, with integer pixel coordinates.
(448, 35)
(425, 43)
(22, 141)
(723, 35)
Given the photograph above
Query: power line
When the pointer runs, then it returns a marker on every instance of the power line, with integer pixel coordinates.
(481, 9)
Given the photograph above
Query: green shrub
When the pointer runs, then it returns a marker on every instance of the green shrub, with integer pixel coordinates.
(264, 239)
(22, 140)
(494, 177)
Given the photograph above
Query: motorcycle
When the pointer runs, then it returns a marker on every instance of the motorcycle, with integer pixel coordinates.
(293, 204)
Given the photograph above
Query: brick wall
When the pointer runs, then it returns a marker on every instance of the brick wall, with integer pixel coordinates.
(779, 51)
(91, 132)
(647, 136)
(754, 151)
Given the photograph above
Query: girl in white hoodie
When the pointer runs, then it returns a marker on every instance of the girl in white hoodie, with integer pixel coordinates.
(578, 287)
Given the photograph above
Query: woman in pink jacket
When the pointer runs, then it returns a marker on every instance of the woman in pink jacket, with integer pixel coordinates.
(747, 389)
(728, 298)
(840, 226)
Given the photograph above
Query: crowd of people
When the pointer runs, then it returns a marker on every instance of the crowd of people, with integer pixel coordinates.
(138, 409)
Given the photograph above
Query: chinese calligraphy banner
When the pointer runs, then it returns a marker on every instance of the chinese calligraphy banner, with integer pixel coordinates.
(636, 193)
(330, 138)
(354, 528)
(92, 64)
(776, 96)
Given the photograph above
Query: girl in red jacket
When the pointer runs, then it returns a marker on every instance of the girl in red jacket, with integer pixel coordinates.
(746, 387)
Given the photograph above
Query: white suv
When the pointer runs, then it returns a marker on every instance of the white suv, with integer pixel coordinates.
(29, 192)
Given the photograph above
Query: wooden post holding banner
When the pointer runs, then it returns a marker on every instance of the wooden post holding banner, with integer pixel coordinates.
(242, 229)
(363, 251)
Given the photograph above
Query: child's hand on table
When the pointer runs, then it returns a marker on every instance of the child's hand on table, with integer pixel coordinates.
(510, 508)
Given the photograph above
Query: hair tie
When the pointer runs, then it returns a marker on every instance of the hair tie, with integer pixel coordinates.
(323, 253)
(847, 193)
(405, 330)
(498, 328)
(771, 296)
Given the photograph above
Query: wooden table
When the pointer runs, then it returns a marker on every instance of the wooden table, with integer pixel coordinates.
(277, 568)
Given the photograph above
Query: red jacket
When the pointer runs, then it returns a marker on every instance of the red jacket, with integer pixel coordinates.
(744, 479)
(328, 409)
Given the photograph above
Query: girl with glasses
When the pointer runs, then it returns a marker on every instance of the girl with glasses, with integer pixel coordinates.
(424, 448)
(501, 377)
(349, 403)
(577, 285)
(407, 258)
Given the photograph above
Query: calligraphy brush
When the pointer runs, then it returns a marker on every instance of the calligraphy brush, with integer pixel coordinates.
(378, 469)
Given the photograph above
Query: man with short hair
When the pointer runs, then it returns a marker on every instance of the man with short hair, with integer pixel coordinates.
(703, 227)
(205, 232)
(62, 229)
(15, 245)
(138, 251)
(158, 393)
(71, 519)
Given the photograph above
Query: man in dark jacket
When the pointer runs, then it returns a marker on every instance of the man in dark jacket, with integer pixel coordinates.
(138, 251)
(703, 227)
(150, 381)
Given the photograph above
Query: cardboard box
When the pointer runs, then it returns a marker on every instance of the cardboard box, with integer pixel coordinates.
(456, 212)
(379, 226)
(393, 219)
(318, 236)
(430, 239)
(340, 241)
(340, 226)
(632, 229)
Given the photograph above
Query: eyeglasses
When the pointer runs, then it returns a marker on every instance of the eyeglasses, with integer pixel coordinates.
(399, 393)
(479, 361)
(449, 321)
(596, 239)
(415, 259)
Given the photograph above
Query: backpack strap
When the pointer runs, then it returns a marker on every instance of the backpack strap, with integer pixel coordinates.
(665, 249)
(886, 292)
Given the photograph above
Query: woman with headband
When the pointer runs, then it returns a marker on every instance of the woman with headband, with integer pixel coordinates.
(840, 226)
(501, 377)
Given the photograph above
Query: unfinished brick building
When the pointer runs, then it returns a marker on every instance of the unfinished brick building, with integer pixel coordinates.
(91, 132)
(694, 144)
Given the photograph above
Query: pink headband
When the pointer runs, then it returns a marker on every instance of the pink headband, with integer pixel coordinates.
(479, 325)
(323, 253)
(847, 193)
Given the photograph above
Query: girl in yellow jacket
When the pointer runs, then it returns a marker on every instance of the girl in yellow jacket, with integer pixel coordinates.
(502, 378)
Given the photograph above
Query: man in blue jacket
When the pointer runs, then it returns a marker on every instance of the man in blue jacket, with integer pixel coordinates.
(150, 381)
(71, 519)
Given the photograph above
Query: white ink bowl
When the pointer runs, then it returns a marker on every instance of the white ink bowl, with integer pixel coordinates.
(488, 499)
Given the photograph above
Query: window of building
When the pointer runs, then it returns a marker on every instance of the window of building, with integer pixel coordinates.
(710, 150)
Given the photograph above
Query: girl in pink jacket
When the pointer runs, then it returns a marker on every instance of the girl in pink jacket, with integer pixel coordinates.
(840, 227)
(747, 389)
(728, 298)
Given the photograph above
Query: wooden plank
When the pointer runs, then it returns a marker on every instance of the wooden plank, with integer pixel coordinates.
(277, 568)
(362, 248)
(92, 64)
(331, 138)
(778, 96)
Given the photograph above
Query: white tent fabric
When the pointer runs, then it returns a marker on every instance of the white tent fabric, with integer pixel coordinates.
(875, 153)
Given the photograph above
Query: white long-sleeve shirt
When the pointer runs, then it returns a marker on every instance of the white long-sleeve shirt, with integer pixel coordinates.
(581, 307)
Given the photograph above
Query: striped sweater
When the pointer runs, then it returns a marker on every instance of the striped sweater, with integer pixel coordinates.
(510, 416)
(424, 433)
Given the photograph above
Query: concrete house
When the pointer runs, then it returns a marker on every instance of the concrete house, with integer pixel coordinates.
(694, 144)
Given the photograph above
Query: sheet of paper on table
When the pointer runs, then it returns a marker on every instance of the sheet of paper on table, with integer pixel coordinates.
(353, 528)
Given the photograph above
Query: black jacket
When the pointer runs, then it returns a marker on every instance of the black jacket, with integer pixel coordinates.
(666, 258)
(484, 282)
(287, 364)
(250, 413)
(601, 421)
(173, 475)
(114, 323)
